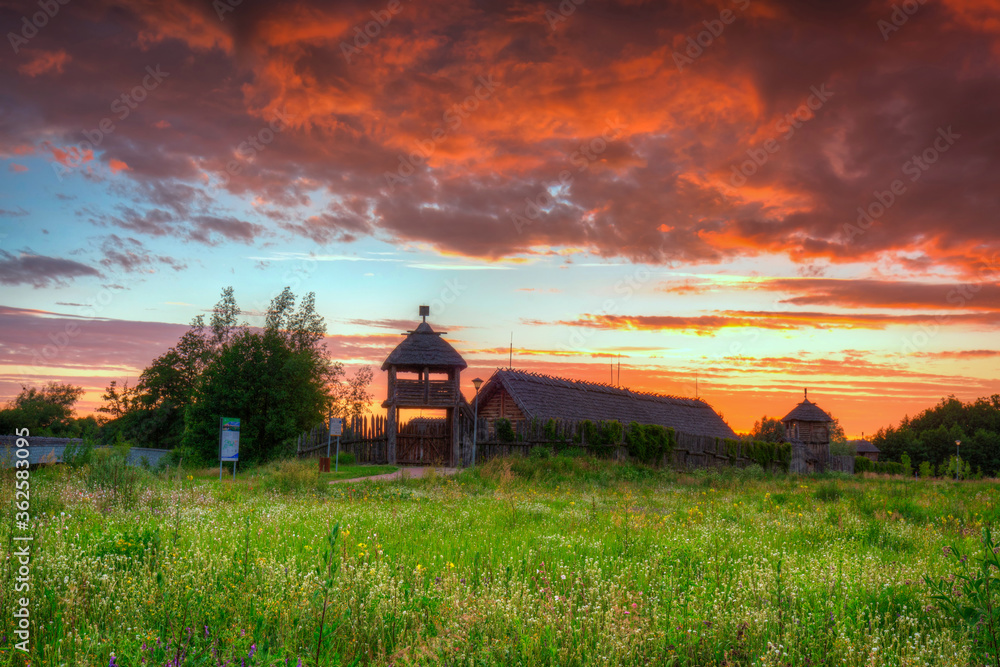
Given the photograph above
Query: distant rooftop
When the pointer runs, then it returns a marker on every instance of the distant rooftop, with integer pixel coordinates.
(545, 396)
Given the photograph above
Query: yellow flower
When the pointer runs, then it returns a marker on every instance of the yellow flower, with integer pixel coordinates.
(419, 567)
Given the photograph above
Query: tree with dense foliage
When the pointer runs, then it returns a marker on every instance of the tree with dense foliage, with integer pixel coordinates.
(278, 381)
(47, 411)
(931, 435)
(768, 430)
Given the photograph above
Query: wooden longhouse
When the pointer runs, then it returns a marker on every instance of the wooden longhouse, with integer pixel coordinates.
(865, 448)
(519, 395)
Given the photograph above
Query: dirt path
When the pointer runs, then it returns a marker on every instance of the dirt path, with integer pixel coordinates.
(415, 471)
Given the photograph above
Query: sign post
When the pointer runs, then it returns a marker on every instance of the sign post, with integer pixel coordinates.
(336, 428)
(229, 443)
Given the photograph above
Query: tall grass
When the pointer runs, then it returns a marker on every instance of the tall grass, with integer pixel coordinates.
(568, 561)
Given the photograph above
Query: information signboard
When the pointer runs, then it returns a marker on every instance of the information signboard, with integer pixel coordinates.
(230, 440)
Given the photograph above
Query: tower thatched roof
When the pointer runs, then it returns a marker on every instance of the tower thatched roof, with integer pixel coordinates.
(807, 411)
(424, 348)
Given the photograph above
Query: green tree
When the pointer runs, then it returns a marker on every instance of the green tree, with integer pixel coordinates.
(931, 435)
(118, 402)
(46, 411)
(768, 430)
(278, 382)
(152, 415)
(351, 395)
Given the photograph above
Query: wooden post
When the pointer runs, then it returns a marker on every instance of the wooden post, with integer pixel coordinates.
(390, 434)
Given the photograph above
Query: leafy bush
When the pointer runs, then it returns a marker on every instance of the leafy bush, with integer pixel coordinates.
(611, 432)
(505, 430)
(573, 452)
(863, 464)
(753, 472)
(538, 452)
(552, 430)
(926, 470)
(111, 472)
(77, 456)
(649, 442)
(766, 454)
(889, 467)
(587, 432)
(904, 460)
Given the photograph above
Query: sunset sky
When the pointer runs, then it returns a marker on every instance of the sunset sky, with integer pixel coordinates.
(761, 195)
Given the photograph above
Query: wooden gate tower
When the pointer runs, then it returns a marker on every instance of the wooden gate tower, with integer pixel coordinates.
(424, 353)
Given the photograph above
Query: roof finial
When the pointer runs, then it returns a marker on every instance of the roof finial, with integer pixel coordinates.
(807, 393)
(424, 312)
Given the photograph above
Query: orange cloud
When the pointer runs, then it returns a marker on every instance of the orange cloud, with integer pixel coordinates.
(45, 62)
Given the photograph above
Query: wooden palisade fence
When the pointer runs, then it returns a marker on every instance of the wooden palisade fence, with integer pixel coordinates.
(365, 438)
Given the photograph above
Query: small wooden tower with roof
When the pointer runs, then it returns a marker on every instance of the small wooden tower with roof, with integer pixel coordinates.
(807, 427)
(424, 373)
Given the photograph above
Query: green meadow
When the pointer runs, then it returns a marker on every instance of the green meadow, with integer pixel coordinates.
(555, 561)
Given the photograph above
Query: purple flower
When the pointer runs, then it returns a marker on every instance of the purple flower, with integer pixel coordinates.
(253, 649)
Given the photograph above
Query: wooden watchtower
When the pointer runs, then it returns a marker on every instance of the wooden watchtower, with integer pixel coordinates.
(424, 372)
(807, 428)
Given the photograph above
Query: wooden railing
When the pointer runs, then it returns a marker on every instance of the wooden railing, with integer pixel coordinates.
(416, 392)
